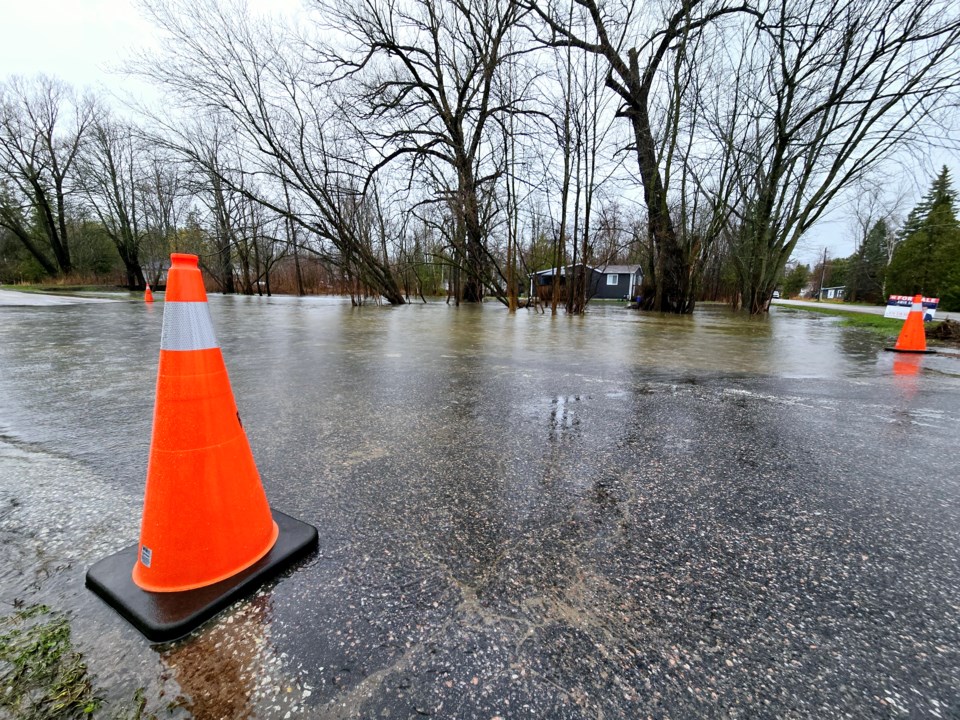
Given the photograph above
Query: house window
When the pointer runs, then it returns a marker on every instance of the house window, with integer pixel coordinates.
(613, 279)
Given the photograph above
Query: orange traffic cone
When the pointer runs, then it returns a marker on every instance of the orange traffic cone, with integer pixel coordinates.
(147, 294)
(913, 338)
(207, 534)
(205, 515)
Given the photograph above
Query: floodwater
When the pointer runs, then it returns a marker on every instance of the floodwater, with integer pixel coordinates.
(616, 515)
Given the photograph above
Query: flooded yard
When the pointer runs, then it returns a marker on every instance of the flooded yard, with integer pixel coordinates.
(616, 515)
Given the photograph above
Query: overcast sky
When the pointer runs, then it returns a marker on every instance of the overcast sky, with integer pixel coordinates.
(84, 42)
(76, 40)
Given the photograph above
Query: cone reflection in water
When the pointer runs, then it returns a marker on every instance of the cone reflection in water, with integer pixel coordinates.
(219, 671)
(906, 365)
(205, 515)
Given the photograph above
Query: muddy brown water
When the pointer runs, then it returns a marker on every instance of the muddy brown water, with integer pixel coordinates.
(615, 515)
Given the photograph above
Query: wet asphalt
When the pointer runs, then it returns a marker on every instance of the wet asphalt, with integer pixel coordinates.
(616, 516)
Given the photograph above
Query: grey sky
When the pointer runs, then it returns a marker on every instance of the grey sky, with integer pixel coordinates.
(77, 41)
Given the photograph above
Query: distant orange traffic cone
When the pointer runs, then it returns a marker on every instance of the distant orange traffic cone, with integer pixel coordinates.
(148, 295)
(913, 338)
(207, 535)
(205, 514)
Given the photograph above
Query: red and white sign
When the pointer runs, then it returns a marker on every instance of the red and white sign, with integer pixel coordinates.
(898, 306)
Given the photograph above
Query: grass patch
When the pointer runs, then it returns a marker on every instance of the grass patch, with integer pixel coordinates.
(877, 324)
(41, 675)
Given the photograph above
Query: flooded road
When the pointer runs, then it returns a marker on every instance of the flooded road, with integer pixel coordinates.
(619, 515)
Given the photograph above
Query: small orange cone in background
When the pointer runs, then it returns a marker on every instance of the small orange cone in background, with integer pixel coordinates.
(208, 535)
(148, 294)
(913, 338)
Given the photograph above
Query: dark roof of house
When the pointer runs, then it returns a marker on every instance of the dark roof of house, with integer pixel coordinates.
(609, 269)
(550, 271)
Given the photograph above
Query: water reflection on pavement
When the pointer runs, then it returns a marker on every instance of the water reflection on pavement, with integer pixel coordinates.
(619, 515)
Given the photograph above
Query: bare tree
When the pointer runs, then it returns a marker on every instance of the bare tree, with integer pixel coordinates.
(592, 127)
(42, 125)
(422, 74)
(226, 66)
(635, 54)
(508, 89)
(110, 175)
(221, 191)
(790, 101)
(824, 92)
(165, 201)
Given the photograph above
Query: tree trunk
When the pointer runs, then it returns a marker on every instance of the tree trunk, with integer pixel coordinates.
(668, 288)
(475, 260)
(32, 248)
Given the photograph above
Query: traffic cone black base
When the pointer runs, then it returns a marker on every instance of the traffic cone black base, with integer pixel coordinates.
(167, 616)
(928, 351)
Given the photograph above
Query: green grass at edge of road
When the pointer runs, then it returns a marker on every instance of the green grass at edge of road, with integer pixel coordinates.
(887, 327)
(44, 677)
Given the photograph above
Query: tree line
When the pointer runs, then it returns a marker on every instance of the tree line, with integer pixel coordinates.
(922, 256)
(398, 149)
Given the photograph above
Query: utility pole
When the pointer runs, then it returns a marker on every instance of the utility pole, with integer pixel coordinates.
(823, 271)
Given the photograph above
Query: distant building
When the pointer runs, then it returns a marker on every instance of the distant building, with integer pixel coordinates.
(832, 293)
(621, 282)
(614, 282)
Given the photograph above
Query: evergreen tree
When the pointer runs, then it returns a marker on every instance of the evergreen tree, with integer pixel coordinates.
(941, 192)
(868, 266)
(914, 220)
(927, 260)
(795, 280)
